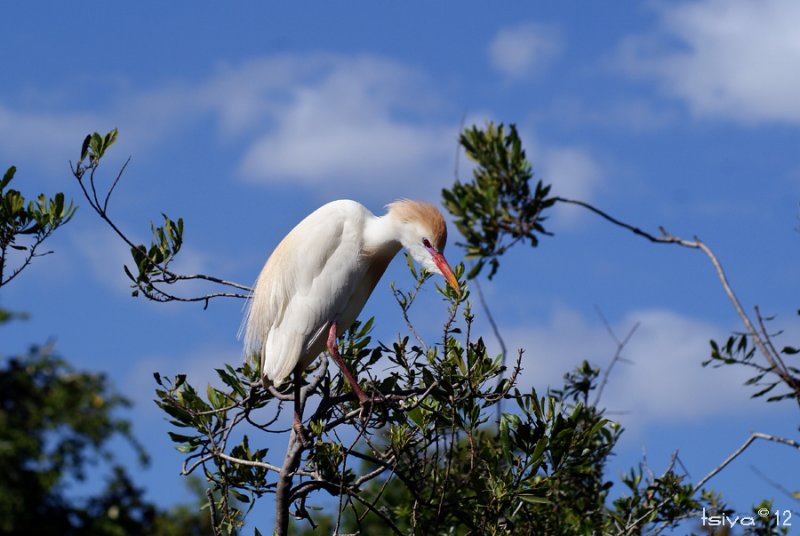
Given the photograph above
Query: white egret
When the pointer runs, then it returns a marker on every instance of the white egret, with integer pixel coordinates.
(319, 277)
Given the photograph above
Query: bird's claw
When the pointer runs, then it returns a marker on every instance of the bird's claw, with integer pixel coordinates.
(366, 405)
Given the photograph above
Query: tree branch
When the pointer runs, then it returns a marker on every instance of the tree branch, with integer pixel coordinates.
(667, 238)
(740, 450)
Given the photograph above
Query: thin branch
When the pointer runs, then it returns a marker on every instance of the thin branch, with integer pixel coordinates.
(169, 277)
(617, 354)
(195, 465)
(776, 485)
(294, 452)
(212, 510)
(114, 184)
(667, 238)
(407, 300)
(664, 239)
(251, 463)
(740, 450)
(497, 335)
(377, 512)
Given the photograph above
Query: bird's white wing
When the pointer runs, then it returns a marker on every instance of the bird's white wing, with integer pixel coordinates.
(304, 286)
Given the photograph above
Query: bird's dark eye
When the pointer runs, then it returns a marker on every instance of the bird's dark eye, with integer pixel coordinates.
(426, 243)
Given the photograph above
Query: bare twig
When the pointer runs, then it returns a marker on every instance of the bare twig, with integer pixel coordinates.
(212, 511)
(788, 493)
(251, 463)
(617, 354)
(740, 450)
(667, 238)
(498, 336)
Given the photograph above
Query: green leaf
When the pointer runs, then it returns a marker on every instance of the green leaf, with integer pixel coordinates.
(179, 438)
(416, 416)
(411, 266)
(85, 147)
(533, 499)
(186, 449)
(9, 174)
(214, 397)
(231, 381)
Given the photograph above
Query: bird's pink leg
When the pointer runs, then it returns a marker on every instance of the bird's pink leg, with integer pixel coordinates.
(334, 351)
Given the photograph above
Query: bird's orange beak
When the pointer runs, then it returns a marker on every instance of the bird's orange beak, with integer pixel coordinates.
(441, 263)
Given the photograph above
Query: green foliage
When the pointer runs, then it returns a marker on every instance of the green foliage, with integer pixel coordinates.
(152, 263)
(94, 146)
(429, 459)
(769, 525)
(55, 424)
(738, 350)
(205, 426)
(498, 207)
(25, 224)
(151, 274)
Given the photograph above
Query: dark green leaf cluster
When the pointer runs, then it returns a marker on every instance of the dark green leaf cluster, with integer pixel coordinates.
(429, 458)
(652, 499)
(25, 224)
(498, 207)
(95, 146)
(55, 424)
(540, 471)
(738, 350)
(206, 427)
(152, 263)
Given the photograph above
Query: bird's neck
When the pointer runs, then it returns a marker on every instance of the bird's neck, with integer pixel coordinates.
(382, 236)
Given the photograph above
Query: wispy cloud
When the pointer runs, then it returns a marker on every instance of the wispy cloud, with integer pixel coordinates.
(661, 379)
(353, 124)
(45, 140)
(104, 254)
(572, 170)
(634, 114)
(324, 120)
(731, 59)
(524, 50)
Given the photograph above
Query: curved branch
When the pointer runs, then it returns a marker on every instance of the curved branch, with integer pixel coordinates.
(667, 238)
(740, 450)
(168, 276)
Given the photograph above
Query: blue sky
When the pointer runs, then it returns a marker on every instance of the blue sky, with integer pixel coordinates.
(244, 119)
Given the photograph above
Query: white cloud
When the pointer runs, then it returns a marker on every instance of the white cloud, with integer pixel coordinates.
(47, 140)
(733, 59)
(317, 119)
(523, 50)
(105, 254)
(571, 170)
(634, 114)
(661, 379)
(347, 126)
